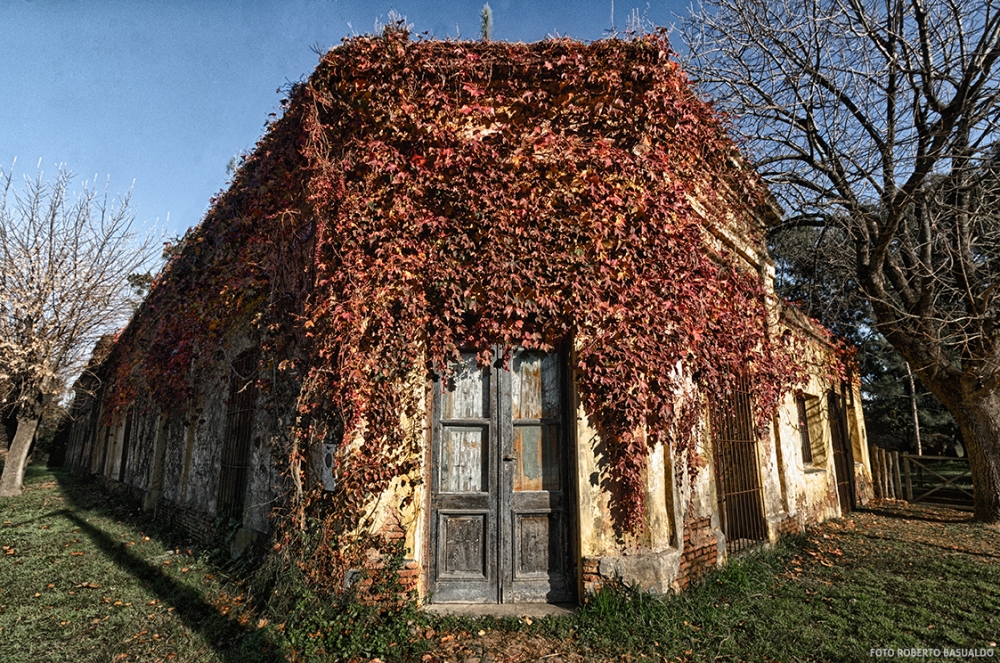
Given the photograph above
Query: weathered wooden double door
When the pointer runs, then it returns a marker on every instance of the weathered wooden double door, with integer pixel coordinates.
(499, 496)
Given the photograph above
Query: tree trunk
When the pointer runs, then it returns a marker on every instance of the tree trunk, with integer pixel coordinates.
(913, 408)
(13, 470)
(978, 417)
(28, 418)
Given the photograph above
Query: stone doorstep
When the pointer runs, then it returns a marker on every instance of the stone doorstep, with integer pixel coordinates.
(501, 609)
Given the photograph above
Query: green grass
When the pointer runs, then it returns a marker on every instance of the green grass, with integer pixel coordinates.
(87, 576)
(901, 578)
(897, 578)
(84, 578)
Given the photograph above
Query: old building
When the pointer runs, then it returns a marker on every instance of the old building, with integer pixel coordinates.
(506, 303)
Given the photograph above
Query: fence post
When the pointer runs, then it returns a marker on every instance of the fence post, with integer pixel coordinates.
(909, 483)
(876, 473)
(879, 475)
(899, 481)
(889, 476)
(873, 457)
(887, 459)
(877, 464)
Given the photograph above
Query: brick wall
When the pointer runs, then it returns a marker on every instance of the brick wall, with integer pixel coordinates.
(409, 574)
(591, 576)
(700, 553)
(392, 530)
(200, 526)
(789, 526)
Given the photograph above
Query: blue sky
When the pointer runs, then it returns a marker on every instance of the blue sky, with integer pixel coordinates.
(163, 94)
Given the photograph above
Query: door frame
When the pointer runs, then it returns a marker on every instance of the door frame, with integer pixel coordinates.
(568, 432)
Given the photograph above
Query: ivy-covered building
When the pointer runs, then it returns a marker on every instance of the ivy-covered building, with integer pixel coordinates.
(506, 306)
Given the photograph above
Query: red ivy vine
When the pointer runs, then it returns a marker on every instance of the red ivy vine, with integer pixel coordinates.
(421, 196)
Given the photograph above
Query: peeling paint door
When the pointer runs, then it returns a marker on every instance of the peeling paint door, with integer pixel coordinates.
(464, 486)
(499, 528)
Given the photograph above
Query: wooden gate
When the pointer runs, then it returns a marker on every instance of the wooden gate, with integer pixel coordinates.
(737, 474)
(500, 490)
(932, 480)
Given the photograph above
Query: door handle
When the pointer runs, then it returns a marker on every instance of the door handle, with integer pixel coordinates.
(509, 458)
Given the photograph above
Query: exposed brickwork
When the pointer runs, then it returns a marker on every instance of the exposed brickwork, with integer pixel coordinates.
(789, 526)
(392, 530)
(123, 489)
(591, 576)
(865, 490)
(200, 526)
(409, 574)
(700, 553)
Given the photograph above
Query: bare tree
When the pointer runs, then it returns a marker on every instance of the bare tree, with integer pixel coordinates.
(877, 121)
(64, 267)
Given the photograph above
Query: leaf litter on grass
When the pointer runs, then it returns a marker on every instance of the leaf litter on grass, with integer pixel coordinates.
(894, 575)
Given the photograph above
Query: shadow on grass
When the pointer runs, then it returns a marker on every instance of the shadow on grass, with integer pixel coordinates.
(947, 548)
(918, 512)
(220, 631)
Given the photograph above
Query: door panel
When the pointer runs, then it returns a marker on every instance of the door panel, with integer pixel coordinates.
(500, 523)
(538, 451)
(533, 437)
(737, 474)
(534, 386)
(467, 395)
(462, 537)
(464, 485)
(539, 553)
(463, 467)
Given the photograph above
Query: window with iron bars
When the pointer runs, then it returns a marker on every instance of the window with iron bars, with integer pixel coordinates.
(737, 473)
(807, 452)
(233, 475)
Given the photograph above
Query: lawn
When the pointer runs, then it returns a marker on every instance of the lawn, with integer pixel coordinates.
(85, 576)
